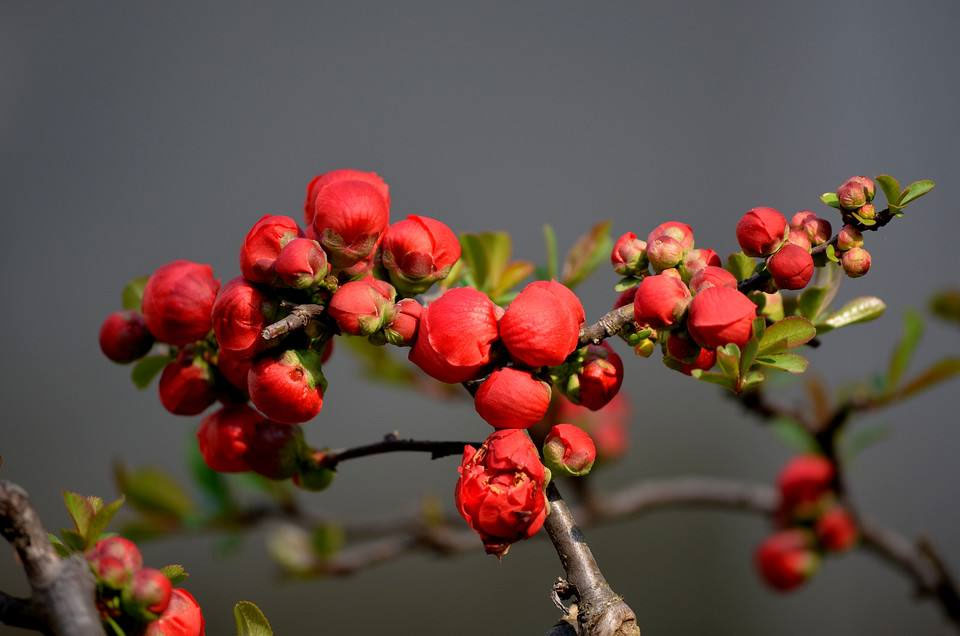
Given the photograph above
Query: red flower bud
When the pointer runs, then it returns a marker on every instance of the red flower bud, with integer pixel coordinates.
(274, 449)
(660, 301)
(800, 239)
(115, 560)
(181, 618)
(712, 276)
(837, 530)
(680, 232)
(704, 361)
(608, 427)
(288, 386)
(786, 559)
(681, 347)
(177, 302)
(848, 238)
(417, 252)
(500, 492)
(510, 398)
(629, 255)
(600, 376)
(867, 211)
(541, 327)
(362, 307)
(761, 231)
(239, 315)
(234, 366)
(664, 252)
(350, 216)
(803, 481)
(455, 335)
(124, 337)
(791, 267)
(569, 450)
(818, 230)
(301, 264)
(187, 385)
(151, 589)
(318, 183)
(402, 329)
(868, 186)
(856, 262)
(697, 260)
(851, 195)
(222, 437)
(263, 244)
(720, 315)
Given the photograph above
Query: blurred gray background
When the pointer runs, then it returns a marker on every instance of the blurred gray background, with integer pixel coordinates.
(131, 135)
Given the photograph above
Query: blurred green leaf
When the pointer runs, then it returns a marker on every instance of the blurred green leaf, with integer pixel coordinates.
(794, 435)
(147, 368)
(900, 360)
(789, 362)
(938, 372)
(132, 296)
(250, 620)
(789, 333)
(587, 253)
(378, 363)
(728, 359)
(512, 275)
(626, 283)
(153, 492)
(211, 483)
(862, 309)
(486, 255)
(73, 540)
(550, 240)
(328, 539)
(830, 198)
(714, 378)
(861, 439)
(61, 548)
(890, 188)
(82, 510)
(175, 572)
(741, 266)
(946, 305)
(101, 520)
(914, 191)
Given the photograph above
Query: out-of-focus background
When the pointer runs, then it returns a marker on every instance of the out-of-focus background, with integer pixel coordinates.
(131, 135)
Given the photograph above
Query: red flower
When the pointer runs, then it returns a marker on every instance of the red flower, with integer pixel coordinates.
(234, 366)
(362, 307)
(124, 337)
(511, 398)
(761, 231)
(350, 214)
(273, 449)
(177, 301)
(115, 560)
(803, 482)
(720, 315)
(696, 260)
(600, 377)
(239, 315)
(500, 492)
(856, 262)
(541, 327)
(818, 230)
(704, 361)
(301, 264)
(402, 329)
(222, 437)
(417, 252)
(786, 559)
(660, 301)
(568, 450)
(680, 232)
(186, 385)
(791, 267)
(319, 182)
(837, 530)
(263, 244)
(455, 335)
(608, 427)
(151, 589)
(181, 618)
(629, 255)
(712, 276)
(288, 386)
(664, 252)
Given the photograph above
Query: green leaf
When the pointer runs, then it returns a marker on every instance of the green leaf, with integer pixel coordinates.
(890, 187)
(830, 198)
(587, 253)
(62, 549)
(82, 510)
(250, 620)
(550, 241)
(73, 540)
(154, 492)
(328, 539)
(133, 293)
(741, 266)
(175, 572)
(714, 378)
(912, 332)
(626, 283)
(856, 442)
(790, 362)
(823, 289)
(101, 520)
(147, 368)
(946, 305)
(864, 220)
(938, 372)
(794, 435)
(728, 358)
(862, 309)
(486, 255)
(750, 349)
(789, 333)
(914, 191)
(752, 378)
(512, 275)
(811, 302)
(831, 253)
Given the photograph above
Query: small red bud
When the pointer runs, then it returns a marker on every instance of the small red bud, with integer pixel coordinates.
(696, 260)
(664, 252)
(124, 337)
(791, 267)
(177, 302)
(848, 238)
(511, 398)
(363, 307)
(720, 315)
(800, 239)
(263, 244)
(187, 385)
(629, 255)
(240, 314)
(151, 589)
(851, 195)
(660, 301)
(680, 232)
(856, 262)
(608, 427)
(761, 231)
(288, 386)
(867, 211)
(569, 450)
(402, 329)
(867, 184)
(115, 560)
(181, 618)
(417, 252)
(301, 264)
(818, 230)
(803, 481)
(541, 327)
(350, 214)
(837, 530)
(600, 376)
(223, 435)
(786, 559)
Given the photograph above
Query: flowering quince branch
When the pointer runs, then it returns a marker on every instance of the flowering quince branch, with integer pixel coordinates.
(391, 443)
(299, 317)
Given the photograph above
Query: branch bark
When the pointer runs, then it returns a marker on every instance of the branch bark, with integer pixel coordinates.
(299, 317)
(392, 443)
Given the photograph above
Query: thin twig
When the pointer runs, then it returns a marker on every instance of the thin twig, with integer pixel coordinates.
(391, 444)
(608, 325)
(300, 316)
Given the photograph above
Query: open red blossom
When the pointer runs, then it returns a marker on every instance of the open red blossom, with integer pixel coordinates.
(837, 530)
(263, 244)
(500, 492)
(187, 385)
(786, 559)
(600, 376)
(541, 327)
(274, 449)
(181, 618)
(177, 302)
(320, 182)
(288, 386)
(712, 276)
(791, 267)
(222, 437)
(511, 398)
(803, 481)
(660, 301)
(455, 335)
(124, 337)
(761, 231)
(568, 450)
(680, 232)
(720, 315)
(349, 218)
(302, 264)
(417, 252)
(239, 315)
(363, 307)
(151, 589)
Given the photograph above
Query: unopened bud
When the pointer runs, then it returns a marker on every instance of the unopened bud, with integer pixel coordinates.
(856, 262)
(665, 252)
(848, 238)
(569, 450)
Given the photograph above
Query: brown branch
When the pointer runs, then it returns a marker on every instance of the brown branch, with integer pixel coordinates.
(609, 324)
(62, 589)
(392, 443)
(300, 316)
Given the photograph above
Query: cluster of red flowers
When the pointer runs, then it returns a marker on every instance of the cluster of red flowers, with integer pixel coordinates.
(811, 523)
(137, 599)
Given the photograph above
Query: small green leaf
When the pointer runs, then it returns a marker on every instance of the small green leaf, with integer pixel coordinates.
(890, 187)
(626, 283)
(587, 253)
(856, 442)
(790, 362)
(714, 378)
(82, 510)
(741, 266)
(750, 349)
(132, 296)
(900, 360)
(153, 491)
(864, 220)
(73, 540)
(328, 539)
(862, 309)
(831, 253)
(940, 371)
(830, 198)
(62, 549)
(728, 358)
(147, 368)
(946, 305)
(914, 191)
(789, 333)
(794, 435)
(751, 379)
(250, 620)
(550, 240)
(175, 572)
(101, 520)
